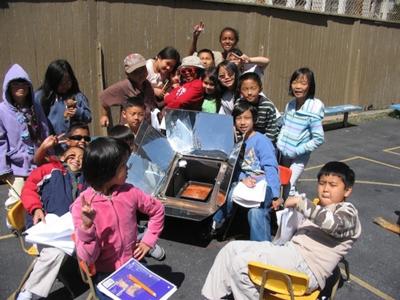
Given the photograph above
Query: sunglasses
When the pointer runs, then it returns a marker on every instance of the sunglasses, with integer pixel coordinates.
(86, 138)
(187, 71)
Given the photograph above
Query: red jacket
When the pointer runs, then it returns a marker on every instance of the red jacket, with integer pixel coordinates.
(187, 96)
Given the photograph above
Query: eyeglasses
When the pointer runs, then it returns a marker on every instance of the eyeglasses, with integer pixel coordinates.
(191, 70)
(86, 138)
(226, 75)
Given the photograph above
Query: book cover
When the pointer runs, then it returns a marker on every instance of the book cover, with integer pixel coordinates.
(134, 281)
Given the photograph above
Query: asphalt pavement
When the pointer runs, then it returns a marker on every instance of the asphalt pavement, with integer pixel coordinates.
(372, 149)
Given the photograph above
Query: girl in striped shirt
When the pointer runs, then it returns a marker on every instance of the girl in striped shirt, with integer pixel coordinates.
(302, 130)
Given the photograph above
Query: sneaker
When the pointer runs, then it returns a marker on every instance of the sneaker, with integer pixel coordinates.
(157, 252)
(216, 227)
(25, 295)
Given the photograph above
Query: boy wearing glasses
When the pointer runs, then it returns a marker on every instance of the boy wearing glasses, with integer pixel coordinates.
(189, 95)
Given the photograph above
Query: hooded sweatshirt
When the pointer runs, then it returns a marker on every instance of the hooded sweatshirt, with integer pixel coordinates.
(17, 146)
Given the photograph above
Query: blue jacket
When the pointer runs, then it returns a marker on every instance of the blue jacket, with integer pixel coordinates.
(56, 118)
(51, 187)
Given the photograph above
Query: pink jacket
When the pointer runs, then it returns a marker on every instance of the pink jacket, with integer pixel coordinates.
(109, 243)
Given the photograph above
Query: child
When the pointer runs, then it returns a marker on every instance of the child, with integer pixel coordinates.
(135, 84)
(159, 69)
(133, 111)
(77, 136)
(207, 58)
(104, 215)
(247, 64)
(61, 98)
(212, 91)
(228, 76)
(228, 38)
(51, 188)
(123, 133)
(189, 95)
(302, 130)
(23, 126)
(324, 236)
(259, 161)
(250, 88)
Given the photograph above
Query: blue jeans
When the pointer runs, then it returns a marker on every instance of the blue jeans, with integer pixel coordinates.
(258, 217)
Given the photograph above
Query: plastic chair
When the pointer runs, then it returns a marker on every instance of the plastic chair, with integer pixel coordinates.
(279, 283)
(87, 272)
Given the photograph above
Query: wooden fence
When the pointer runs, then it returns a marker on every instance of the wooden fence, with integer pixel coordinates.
(355, 60)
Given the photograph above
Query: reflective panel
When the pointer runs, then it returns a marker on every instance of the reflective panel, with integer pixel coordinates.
(200, 134)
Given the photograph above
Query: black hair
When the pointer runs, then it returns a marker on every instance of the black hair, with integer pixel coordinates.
(339, 169)
(169, 53)
(235, 51)
(212, 74)
(235, 33)
(137, 100)
(77, 125)
(123, 133)
(310, 78)
(101, 160)
(52, 79)
(241, 106)
(232, 68)
(205, 50)
(250, 76)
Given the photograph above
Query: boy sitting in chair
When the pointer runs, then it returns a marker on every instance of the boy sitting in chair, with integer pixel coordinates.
(51, 188)
(325, 235)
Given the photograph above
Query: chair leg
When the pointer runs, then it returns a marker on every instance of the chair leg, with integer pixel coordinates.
(230, 221)
(28, 271)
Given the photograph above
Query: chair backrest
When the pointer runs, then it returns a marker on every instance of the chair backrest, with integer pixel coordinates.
(16, 216)
(284, 175)
(277, 279)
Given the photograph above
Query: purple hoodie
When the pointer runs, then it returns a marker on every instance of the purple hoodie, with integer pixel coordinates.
(16, 146)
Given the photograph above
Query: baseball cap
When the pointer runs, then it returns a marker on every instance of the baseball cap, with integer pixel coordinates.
(133, 61)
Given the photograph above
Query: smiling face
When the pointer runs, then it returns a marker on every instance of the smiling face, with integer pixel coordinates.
(331, 190)
(73, 158)
(165, 66)
(19, 90)
(226, 77)
(228, 40)
(209, 86)
(244, 122)
(300, 87)
(188, 74)
(250, 90)
(79, 137)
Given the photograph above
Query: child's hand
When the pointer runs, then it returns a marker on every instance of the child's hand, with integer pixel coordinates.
(88, 214)
(244, 58)
(292, 201)
(140, 250)
(250, 182)
(197, 29)
(38, 215)
(276, 204)
(104, 121)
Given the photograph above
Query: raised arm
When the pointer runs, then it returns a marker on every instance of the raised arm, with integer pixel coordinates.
(197, 29)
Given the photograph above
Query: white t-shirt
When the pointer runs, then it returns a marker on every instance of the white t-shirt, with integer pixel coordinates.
(227, 103)
(154, 78)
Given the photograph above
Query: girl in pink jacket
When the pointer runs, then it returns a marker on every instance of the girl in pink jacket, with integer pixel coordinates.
(104, 215)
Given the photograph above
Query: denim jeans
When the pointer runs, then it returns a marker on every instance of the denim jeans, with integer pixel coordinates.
(258, 217)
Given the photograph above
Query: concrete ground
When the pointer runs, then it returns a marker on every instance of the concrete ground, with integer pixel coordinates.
(372, 149)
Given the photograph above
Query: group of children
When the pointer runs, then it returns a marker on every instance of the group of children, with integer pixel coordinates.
(47, 146)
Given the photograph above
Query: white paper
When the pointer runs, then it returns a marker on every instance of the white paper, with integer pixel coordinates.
(288, 221)
(154, 119)
(249, 197)
(56, 232)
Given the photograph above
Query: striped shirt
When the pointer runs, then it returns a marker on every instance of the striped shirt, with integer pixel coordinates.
(302, 130)
(266, 118)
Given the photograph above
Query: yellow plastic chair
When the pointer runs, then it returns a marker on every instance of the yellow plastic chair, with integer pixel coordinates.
(279, 283)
